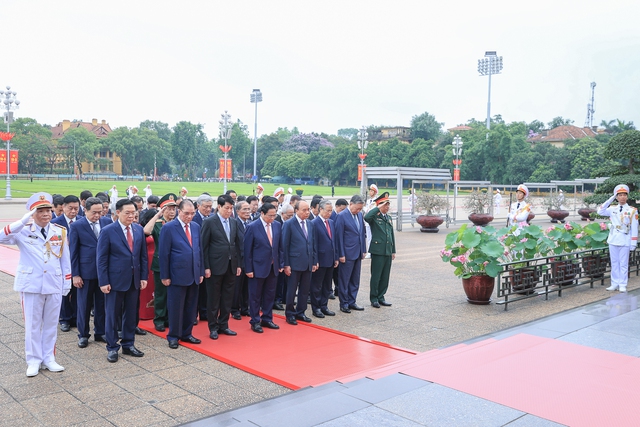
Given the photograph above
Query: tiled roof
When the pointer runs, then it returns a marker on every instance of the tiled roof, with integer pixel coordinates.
(562, 133)
(459, 128)
(100, 130)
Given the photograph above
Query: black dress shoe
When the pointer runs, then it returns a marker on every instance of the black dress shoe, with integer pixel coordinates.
(385, 304)
(195, 322)
(100, 338)
(237, 316)
(318, 313)
(256, 328)
(356, 307)
(227, 332)
(278, 306)
(332, 296)
(112, 356)
(65, 327)
(327, 312)
(160, 328)
(213, 335)
(375, 304)
(304, 318)
(269, 325)
(245, 313)
(132, 351)
(292, 321)
(83, 342)
(191, 339)
(173, 344)
(345, 309)
(140, 331)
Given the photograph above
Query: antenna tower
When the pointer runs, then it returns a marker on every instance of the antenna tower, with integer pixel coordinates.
(590, 107)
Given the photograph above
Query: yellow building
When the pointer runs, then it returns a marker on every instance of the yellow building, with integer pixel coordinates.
(106, 160)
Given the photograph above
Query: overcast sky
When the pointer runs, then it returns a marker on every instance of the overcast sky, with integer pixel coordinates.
(321, 65)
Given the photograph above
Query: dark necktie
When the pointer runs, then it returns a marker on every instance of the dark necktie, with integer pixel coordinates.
(620, 208)
(518, 207)
(44, 233)
(304, 230)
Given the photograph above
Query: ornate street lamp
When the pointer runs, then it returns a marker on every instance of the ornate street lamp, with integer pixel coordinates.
(225, 133)
(457, 151)
(362, 145)
(10, 103)
(256, 97)
(491, 64)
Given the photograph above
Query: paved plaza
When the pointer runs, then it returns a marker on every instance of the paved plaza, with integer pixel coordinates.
(170, 387)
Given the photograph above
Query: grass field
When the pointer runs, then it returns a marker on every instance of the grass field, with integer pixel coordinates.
(24, 188)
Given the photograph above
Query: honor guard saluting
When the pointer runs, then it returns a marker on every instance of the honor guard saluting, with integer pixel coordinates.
(43, 277)
(373, 193)
(519, 210)
(623, 235)
(382, 249)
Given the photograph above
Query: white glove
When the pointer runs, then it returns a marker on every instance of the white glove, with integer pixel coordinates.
(608, 202)
(66, 288)
(27, 217)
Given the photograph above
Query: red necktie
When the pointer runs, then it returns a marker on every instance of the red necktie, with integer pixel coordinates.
(186, 230)
(130, 238)
(328, 228)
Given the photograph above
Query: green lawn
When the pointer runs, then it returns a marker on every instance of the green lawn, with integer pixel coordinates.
(24, 188)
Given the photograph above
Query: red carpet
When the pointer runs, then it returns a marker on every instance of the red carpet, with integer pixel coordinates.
(9, 257)
(564, 382)
(293, 356)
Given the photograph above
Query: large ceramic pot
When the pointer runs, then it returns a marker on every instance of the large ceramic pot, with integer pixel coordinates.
(557, 216)
(480, 219)
(478, 289)
(595, 265)
(429, 223)
(585, 213)
(530, 217)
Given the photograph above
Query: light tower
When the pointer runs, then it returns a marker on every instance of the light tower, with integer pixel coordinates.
(362, 145)
(591, 107)
(256, 97)
(489, 65)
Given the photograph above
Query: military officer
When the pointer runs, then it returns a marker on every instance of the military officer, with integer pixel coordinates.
(43, 277)
(623, 235)
(520, 209)
(382, 249)
(370, 204)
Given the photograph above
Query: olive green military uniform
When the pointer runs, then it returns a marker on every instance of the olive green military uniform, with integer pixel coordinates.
(160, 292)
(383, 246)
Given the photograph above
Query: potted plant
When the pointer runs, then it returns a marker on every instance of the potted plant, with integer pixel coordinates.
(478, 202)
(476, 253)
(553, 203)
(587, 209)
(299, 191)
(430, 204)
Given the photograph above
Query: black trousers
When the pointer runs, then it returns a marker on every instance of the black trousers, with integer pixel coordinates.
(220, 291)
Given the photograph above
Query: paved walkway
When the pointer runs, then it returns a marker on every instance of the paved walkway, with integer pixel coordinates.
(169, 387)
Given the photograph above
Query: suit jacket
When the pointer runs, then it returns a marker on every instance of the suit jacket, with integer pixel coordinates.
(117, 264)
(327, 248)
(300, 252)
(83, 245)
(351, 241)
(180, 261)
(383, 240)
(218, 250)
(62, 220)
(242, 229)
(259, 256)
(197, 218)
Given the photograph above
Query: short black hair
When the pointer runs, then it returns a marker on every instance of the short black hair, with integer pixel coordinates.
(294, 198)
(315, 201)
(71, 199)
(185, 202)
(228, 193)
(124, 202)
(241, 198)
(148, 216)
(153, 199)
(342, 202)
(58, 200)
(225, 198)
(269, 199)
(103, 196)
(252, 198)
(92, 201)
(266, 207)
(85, 195)
(137, 199)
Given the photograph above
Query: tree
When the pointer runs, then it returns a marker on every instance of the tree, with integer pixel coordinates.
(426, 127)
(559, 121)
(587, 156)
(83, 143)
(625, 148)
(614, 127)
(189, 146)
(138, 148)
(536, 126)
(31, 139)
(242, 147)
(161, 128)
(348, 133)
(305, 143)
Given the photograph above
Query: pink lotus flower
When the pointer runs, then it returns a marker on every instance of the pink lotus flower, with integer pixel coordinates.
(550, 229)
(462, 259)
(603, 226)
(568, 226)
(478, 229)
(523, 240)
(454, 259)
(579, 236)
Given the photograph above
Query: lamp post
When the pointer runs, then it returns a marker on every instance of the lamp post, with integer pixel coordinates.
(256, 97)
(362, 145)
(491, 64)
(10, 103)
(457, 151)
(225, 133)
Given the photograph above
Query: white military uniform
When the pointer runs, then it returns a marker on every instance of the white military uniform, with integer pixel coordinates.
(147, 193)
(497, 202)
(518, 213)
(623, 237)
(43, 277)
(370, 204)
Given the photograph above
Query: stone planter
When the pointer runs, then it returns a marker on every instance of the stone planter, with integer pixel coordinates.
(585, 213)
(299, 192)
(557, 216)
(530, 217)
(429, 223)
(480, 219)
(478, 289)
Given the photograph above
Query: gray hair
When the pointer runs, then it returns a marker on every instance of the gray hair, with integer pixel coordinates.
(241, 204)
(204, 198)
(323, 203)
(286, 209)
(357, 200)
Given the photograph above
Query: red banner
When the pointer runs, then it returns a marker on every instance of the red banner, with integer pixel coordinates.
(228, 171)
(456, 174)
(14, 162)
(360, 172)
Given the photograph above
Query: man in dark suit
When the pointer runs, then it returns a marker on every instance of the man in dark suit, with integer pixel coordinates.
(122, 272)
(240, 305)
(281, 287)
(204, 206)
(324, 233)
(351, 252)
(263, 261)
(83, 243)
(341, 204)
(222, 260)
(69, 307)
(83, 200)
(300, 260)
(181, 271)
(382, 250)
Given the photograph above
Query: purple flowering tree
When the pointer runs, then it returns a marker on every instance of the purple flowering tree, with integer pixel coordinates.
(305, 143)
